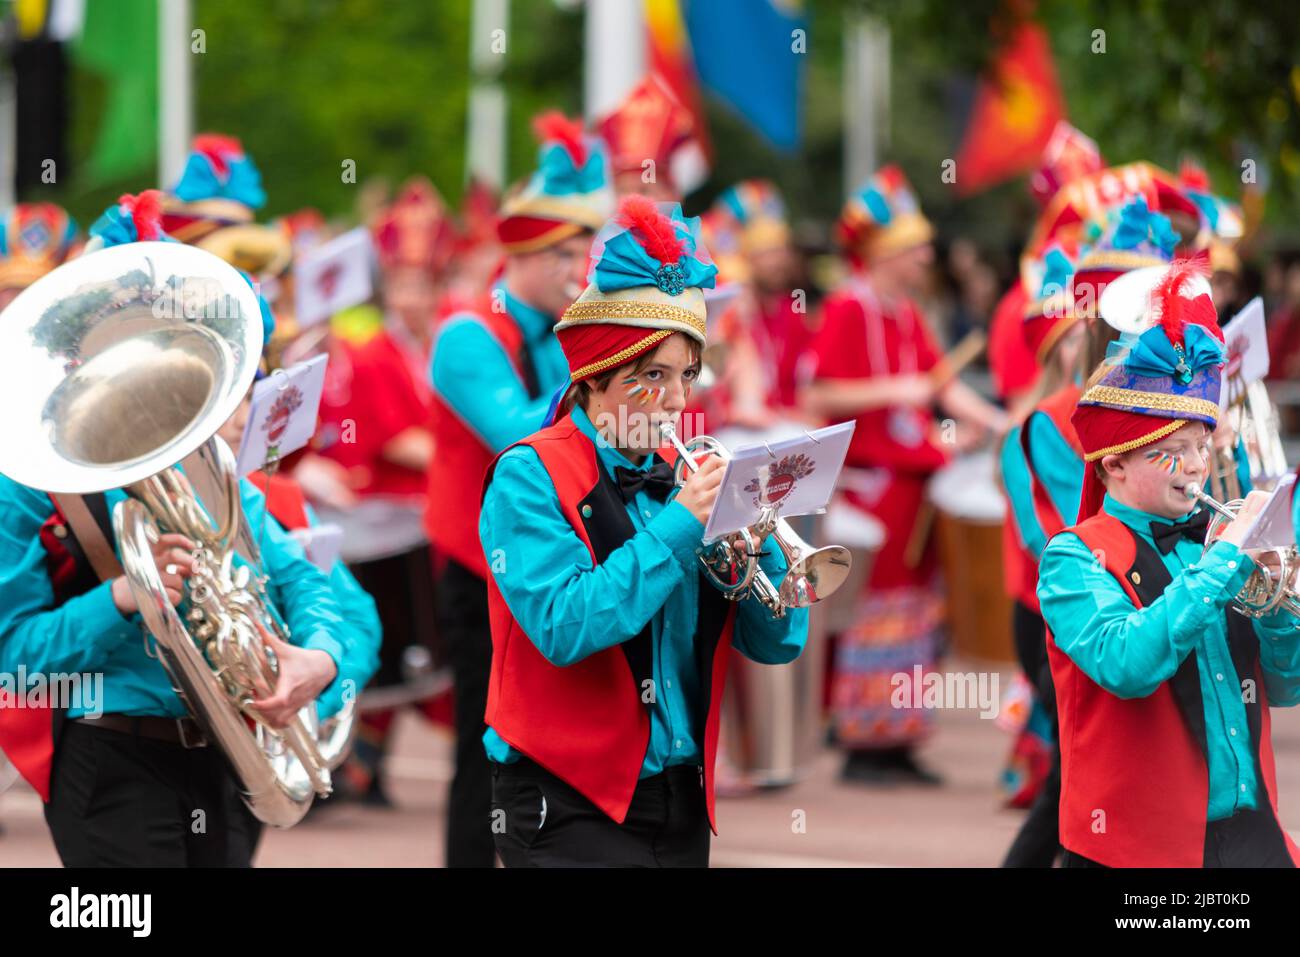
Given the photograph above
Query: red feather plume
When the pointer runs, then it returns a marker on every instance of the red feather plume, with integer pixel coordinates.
(1168, 296)
(554, 125)
(651, 228)
(146, 213)
(217, 143)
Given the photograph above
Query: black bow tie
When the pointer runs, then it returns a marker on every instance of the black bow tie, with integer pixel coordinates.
(656, 481)
(1167, 536)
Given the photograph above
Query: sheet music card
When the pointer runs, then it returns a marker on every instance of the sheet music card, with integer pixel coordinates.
(332, 277)
(796, 474)
(1246, 342)
(282, 414)
(1273, 527)
(322, 543)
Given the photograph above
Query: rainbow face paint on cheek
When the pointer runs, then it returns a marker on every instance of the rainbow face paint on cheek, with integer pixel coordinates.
(1173, 464)
(643, 395)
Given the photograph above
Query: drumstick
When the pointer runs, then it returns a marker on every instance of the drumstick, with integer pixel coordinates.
(920, 535)
(962, 355)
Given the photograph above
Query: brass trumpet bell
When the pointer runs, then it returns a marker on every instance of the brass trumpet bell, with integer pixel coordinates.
(732, 563)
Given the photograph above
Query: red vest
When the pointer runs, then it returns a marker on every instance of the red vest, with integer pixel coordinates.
(460, 460)
(587, 723)
(1021, 565)
(27, 735)
(1058, 407)
(284, 499)
(1134, 778)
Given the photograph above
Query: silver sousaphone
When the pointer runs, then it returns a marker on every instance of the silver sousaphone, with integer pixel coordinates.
(114, 369)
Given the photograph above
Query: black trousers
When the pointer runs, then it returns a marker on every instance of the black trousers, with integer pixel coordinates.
(539, 821)
(1247, 839)
(122, 800)
(1037, 843)
(466, 635)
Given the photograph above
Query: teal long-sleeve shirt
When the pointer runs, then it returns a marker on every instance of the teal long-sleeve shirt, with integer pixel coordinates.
(360, 658)
(1130, 652)
(1058, 468)
(571, 608)
(87, 634)
(474, 376)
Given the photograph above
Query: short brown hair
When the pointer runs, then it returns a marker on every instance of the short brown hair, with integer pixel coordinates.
(580, 392)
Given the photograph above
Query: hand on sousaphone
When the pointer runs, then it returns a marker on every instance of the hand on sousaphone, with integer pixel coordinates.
(303, 673)
(174, 556)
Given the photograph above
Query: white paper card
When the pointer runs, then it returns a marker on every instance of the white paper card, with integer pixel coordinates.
(1274, 526)
(322, 544)
(797, 475)
(1246, 342)
(332, 277)
(282, 414)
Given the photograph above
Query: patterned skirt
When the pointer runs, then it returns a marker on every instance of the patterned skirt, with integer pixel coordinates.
(895, 631)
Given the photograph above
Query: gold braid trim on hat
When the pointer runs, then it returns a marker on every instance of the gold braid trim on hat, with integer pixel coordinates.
(618, 358)
(1118, 259)
(1137, 443)
(611, 310)
(1131, 398)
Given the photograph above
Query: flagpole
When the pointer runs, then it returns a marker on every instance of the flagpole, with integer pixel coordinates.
(865, 97)
(485, 137)
(614, 54)
(8, 121)
(175, 96)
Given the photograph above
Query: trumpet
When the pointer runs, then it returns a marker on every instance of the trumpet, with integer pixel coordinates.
(1266, 591)
(732, 565)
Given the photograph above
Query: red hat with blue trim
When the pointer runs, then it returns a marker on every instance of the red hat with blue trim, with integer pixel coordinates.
(1166, 370)
(213, 204)
(568, 194)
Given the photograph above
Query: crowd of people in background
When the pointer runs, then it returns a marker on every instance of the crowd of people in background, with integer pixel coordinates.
(455, 360)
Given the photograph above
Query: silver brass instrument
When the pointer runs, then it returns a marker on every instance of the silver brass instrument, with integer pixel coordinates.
(1253, 418)
(115, 369)
(732, 566)
(1265, 592)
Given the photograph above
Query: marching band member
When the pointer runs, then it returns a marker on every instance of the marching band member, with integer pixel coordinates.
(213, 204)
(1069, 155)
(610, 647)
(34, 238)
(768, 318)
(653, 146)
(375, 411)
(288, 506)
(1163, 691)
(874, 357)
(494, 371)
(1042, 472)
(123, 788)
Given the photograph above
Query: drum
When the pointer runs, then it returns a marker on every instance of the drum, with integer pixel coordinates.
(970, 511)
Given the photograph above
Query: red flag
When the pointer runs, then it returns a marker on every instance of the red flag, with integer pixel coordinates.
(1016, 108)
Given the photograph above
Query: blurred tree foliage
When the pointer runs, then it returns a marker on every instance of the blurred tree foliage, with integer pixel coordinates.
(308, 84)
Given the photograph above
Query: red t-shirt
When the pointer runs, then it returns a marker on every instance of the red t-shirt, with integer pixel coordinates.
(784, 339)
(1012, 362)
(861, 339)
(373, 393)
